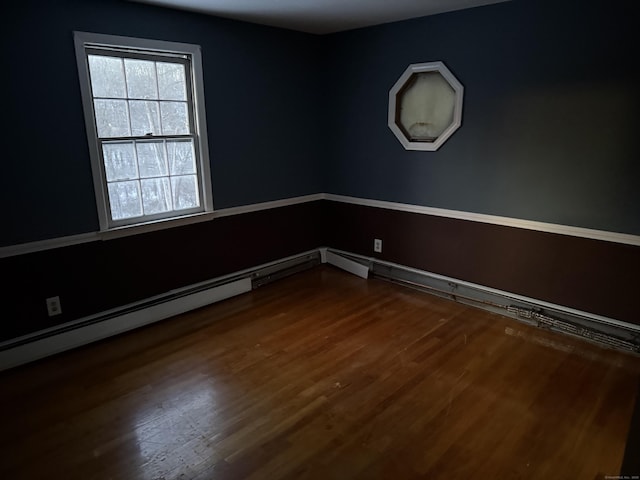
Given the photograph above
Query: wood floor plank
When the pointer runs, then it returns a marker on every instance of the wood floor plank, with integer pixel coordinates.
(322, 375)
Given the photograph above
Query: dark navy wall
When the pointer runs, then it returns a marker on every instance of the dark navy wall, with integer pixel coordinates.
(548, 134)
(549, 123)
(262, 106)
(550, 113)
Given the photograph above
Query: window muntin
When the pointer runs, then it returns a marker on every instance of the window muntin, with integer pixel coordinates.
(146, 127)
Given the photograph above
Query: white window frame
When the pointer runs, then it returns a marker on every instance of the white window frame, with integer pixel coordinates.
(85, 41)
(395, 102)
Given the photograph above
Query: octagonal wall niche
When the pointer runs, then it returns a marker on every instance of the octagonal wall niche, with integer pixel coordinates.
(425, 106)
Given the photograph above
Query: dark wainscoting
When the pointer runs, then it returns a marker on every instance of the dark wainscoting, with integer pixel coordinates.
(590, 275)
(94, 277)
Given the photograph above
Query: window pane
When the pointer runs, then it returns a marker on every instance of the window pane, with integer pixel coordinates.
(181, 157)
(124, 198)
(427, 107)
(141, 78)
(185, 192)
(156, 195)
(107, 76)
(175, 118)
(152, 159)
(119, 161)
(112, 118)
(145, 117)
(172, 82)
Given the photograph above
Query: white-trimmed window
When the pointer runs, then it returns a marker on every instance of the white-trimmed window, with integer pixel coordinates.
(144, 112)
(425, 106)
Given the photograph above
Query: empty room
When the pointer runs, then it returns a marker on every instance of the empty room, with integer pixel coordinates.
(321, 239)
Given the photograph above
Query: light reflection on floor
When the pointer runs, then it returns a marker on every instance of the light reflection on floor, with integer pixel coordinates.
(172, 431)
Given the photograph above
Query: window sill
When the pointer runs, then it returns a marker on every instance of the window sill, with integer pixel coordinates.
(154, 226)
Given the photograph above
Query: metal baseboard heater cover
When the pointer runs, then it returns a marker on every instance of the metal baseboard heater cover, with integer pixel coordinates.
(601, 330)
(86, 330)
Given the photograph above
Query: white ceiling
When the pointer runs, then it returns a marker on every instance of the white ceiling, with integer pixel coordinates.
(321, 16)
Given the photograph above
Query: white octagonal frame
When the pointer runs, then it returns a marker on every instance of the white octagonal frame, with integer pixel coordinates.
(457, 111)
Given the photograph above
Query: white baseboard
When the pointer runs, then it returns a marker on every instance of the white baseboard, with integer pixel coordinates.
(589, 325)
(90, 329)
(83, 331)
(347, 265)
(66, 340)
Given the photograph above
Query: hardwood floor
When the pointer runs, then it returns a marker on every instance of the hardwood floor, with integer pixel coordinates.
(322, 375)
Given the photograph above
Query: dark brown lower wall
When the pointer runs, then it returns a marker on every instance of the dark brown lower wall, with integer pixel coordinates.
(590, 275)
(97, 276)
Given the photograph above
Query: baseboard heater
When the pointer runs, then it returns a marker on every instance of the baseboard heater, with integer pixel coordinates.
(602, 330)
(86, 330)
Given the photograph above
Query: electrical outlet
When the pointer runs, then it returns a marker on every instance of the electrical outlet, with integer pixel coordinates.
(53, 306)
(377, 245)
